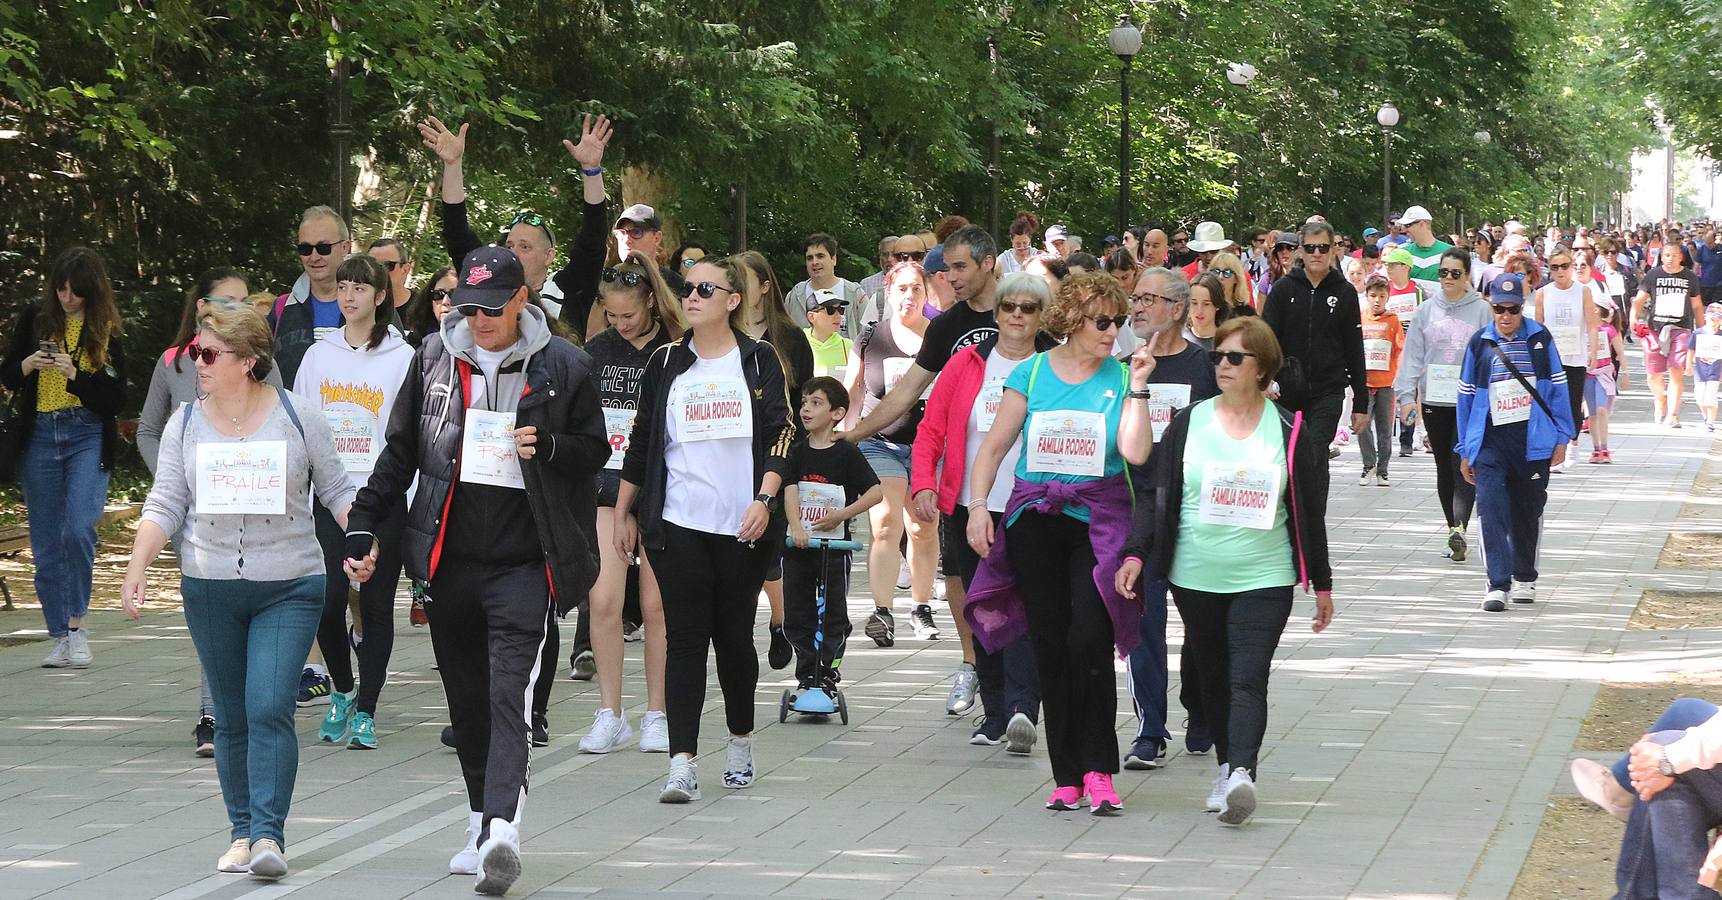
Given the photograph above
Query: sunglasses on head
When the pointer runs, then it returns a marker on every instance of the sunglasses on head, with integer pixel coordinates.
(1316, 249)
(321, 248)
(1102, 323)
(909, 255)
(471, 310)
(533, 219)
(1452, 273)
(629, 279)
(1012, 306)
(1508, 309)
(1235, 357)
(206, 355)
(226, 302)
(706, 289)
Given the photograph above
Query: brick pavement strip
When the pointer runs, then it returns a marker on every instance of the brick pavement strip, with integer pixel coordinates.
(1410, 749)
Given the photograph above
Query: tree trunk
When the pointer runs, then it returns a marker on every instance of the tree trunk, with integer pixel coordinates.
(641, 184)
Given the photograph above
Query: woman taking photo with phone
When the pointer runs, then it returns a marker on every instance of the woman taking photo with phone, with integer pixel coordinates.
(68, 371)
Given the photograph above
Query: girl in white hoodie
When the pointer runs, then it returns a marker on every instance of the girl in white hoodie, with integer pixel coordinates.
(354, 375)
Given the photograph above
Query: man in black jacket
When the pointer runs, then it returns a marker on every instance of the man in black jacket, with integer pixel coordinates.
(500, 423)
(1313, 311)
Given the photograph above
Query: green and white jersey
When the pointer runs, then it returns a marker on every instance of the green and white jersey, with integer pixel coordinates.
(1426, 265)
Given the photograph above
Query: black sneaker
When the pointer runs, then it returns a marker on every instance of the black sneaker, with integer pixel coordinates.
(1146, 753)
(585, 666)
(781, 653)
(203, 737)
(989, 731)
(540, 731)
(313, 688)
(881, 627)
(1197, 740)
(448, 736)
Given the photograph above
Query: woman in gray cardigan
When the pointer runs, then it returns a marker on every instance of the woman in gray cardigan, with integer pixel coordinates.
(234, 479)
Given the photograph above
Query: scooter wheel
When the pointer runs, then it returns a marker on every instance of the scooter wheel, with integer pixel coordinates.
(842, 708)
(783, 708)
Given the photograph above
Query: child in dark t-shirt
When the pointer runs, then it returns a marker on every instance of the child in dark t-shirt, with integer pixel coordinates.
(827, 484)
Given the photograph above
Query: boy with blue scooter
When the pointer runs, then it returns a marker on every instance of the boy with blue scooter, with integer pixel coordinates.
(827, 484)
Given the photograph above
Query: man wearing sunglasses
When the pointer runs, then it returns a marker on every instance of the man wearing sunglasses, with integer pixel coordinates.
(1313, 311)
(1424, 248)
(500, 424)
(1181, 255)
(303, 315)
(819, 254)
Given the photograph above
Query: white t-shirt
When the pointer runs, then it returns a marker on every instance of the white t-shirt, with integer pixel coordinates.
(981, 419)
(708, 446)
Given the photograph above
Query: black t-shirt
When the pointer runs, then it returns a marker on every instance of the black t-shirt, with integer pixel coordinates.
(960, 326)
(1189, 366)
(883, 364)
(840, 464)
(1665, 288)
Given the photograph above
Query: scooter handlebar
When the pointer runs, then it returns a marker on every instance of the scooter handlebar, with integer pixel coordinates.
(824, 543)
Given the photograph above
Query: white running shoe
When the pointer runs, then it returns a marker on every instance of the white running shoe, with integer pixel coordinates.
(466, 861)
(1217, 792)
(738, 768)
(78, 650)
(498, 859)
(962, 697)
(1020, 734)
(683, 784)
(609, 732)
(654, 732)
(1596, 783)
(61, 658)
(1523, 592)
(1239, 802)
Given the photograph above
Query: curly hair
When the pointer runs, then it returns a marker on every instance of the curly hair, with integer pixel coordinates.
(1080, 296)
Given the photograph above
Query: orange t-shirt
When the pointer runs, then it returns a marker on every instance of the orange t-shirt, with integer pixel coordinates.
(1383, 342)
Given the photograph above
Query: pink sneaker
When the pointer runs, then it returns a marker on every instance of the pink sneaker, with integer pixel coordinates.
(1102, 799)
(1607, 455)
(1065, 798)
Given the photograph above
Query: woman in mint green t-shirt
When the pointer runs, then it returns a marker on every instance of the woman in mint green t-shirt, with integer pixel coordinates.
(1234, 524)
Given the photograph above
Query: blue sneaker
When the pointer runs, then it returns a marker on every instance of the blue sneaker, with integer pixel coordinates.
(364, 732)
(339, 719)
(313, 688)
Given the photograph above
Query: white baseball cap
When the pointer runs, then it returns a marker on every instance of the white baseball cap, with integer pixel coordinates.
(1414, 214)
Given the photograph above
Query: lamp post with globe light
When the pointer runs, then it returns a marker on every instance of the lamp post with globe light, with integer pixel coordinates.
(1125, 41)
(1388, 118)
(1240, 75)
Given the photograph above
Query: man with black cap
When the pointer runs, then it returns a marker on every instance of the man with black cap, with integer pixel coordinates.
(500, 424)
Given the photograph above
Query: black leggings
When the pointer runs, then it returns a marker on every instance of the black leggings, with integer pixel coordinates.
(710, 584)
(1576, 376)
(1233, 638)
(1457, 495)
(1068, 624)
(376, 606)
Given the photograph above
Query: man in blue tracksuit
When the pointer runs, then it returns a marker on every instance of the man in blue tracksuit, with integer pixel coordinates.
(1509, 435)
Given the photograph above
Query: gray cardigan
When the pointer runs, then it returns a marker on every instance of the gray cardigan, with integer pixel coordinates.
(168, 390)
(249, 547)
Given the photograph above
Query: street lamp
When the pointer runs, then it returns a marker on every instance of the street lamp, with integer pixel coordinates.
(1387, 117)
(1124, 41)
(1240, 75)
(1482, 136)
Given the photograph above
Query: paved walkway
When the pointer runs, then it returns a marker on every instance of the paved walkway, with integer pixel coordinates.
(1410, 750)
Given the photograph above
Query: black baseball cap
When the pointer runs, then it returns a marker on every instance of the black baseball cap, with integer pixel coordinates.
(489, 277)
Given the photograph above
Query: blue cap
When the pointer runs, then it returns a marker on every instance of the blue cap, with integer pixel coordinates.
(1509, 286)
(1371, 232)
(934, 262)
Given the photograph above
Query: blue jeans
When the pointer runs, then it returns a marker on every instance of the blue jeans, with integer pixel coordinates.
(65, 489)
(1668, 837)
(1511, 493)
(252, 637)
(1684, 713)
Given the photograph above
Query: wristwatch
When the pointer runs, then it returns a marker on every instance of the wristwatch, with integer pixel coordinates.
(1662, 763)
(767, 499)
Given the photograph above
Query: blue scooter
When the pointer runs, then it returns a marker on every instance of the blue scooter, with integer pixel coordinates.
(815, 701)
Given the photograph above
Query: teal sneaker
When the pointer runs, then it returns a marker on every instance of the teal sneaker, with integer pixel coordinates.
(340, 717)
(364, 732)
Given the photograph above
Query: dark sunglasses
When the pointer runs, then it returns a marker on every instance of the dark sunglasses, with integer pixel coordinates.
(323, 248)
(909, 255)
(1317, 249)
(1452, 273)
(1559, 267)
(1235, 357)
(629, 279)
(1508, 310)
(832, 307)
(206, 355)
(1101, 323)
(442, 295)
(635, 232)
(706, 289)
(391, 265)
(1011, 306)
(471, 310)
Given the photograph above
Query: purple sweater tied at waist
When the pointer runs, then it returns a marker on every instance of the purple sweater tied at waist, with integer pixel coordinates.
(994, 608)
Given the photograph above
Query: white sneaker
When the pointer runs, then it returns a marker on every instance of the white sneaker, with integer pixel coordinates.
(1523, 592)
(654, 732)
(609, 732)
(1217, 792)
(1364, 478)
(903, 575)
(738, 768)
(1495, 601)
(1596, 783)
(1020, 734)
(632, 634)
(683, 784)
(61, 658)
(466, 861)
(79, 649)
(1239, 801)
(498, 859)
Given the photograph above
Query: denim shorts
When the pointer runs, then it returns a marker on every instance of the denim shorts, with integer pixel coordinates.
(888, 459)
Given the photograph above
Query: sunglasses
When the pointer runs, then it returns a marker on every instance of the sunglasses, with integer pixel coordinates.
(441, 295)
(391, 265)
(1225, 273)
(1512, 310)
(206, 355)
(1011, 306)
(225, 302)
(323, 248)
(635, 232)
(1559, 267)
(1316, 249)
(471, 310)
(1102, 323)
(628, 279)
(1452, 273)
(909, 255)
(1235, 357)
(535, 220)
(706, 289)
(690, 263)
(832, 307)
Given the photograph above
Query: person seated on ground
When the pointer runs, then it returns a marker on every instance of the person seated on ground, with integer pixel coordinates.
(1666, 851)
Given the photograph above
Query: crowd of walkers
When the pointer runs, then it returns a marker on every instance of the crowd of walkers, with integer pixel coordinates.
(1061, 446)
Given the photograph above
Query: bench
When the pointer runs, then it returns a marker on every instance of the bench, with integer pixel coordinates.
(12, 541)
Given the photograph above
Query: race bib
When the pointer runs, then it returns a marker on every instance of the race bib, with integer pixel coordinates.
(1403, 306)
(1442, 386)
(819, 500)
(987, 403)
(1708, 346)
(1670, 304)
(1509, 402)
(488, 454)
(1164, 401)
(356, 438)
(1242, 496)
(1377, 354)
(713, 410)
(619, 425)
(895, 369)
(1067, 442)
(242, 478)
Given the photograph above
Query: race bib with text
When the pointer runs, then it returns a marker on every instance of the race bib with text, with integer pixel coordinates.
(1241, 496)
(242, 478)
(713, 410)
(488, 454)
(1067, 442)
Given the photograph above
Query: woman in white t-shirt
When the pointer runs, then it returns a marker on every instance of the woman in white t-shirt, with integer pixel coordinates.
(1565, 307)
